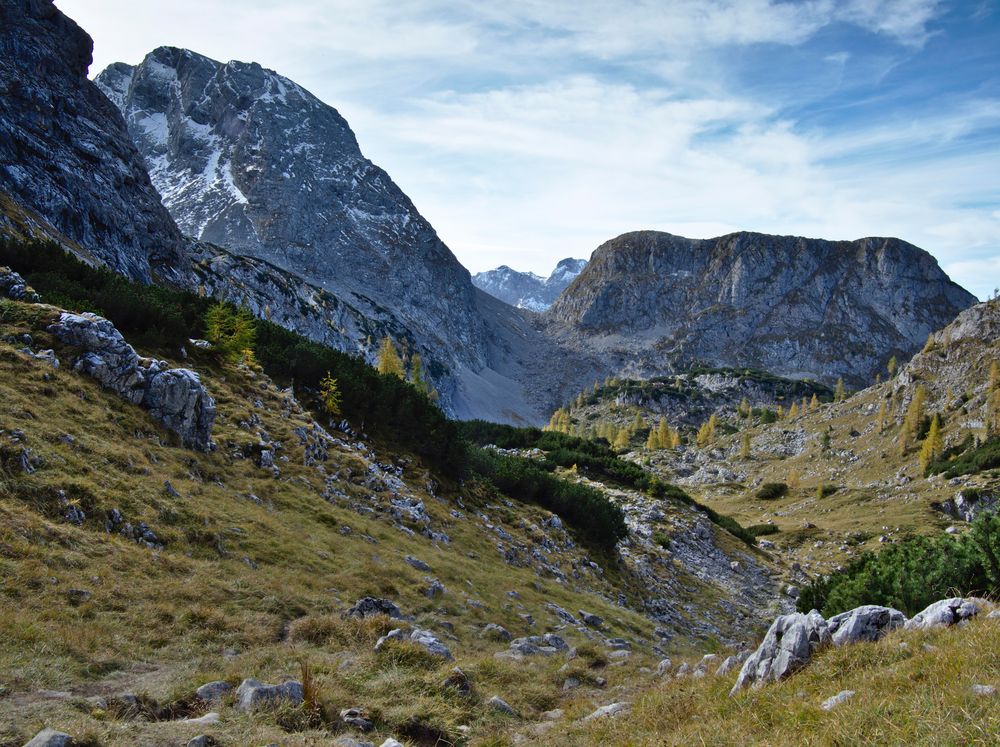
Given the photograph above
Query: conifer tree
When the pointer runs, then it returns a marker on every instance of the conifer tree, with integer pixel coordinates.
(929, 345)
(993, 415)
(745, 409)
(330, 395)
(745, 446)
(793, 411)
(792, 480)
(621, 440)
(883, 416)
(389, 362)
(933, 444)
(839, 395)
(781, 412)
(653, 441)
(417, 375)
(813, 403)
(892, 366)
(233, 332)
(994, 376)
(706, 433)
(663, 435)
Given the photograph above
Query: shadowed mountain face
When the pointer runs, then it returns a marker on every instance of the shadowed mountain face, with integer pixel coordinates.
(66, 158)
(651, 302)
(525, 290)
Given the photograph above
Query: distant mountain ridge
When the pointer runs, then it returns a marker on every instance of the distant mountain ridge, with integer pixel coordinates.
(650, 302)
(526, 290)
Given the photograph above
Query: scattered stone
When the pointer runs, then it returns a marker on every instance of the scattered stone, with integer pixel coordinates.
(683, 670)
(78, 596)
(664, 667)
(357, 718)
(171, 490)
(866, 623)
(418, 564)
(202, 740)
(497, 632)
(554, 715)
(212, 692)
(207, 719)
(590, 620)
(702, 667)
(371, 606)
(788, 646)
(612, 709)
(842, 697)
(499, 704)
(50, 738)
(944, 613)
(434, 588)
(252, 695)
(459, 681)
(619, 644)
(984, 690)
(619, 655)
(994, 615)
(390, 742)
(571, 683)
(731, 662)
(424, 638)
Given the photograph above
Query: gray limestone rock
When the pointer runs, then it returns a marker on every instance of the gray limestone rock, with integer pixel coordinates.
(787, 647)
(50, 738)
(212, 692)
(945, 612)
(175, 397)
(252, 695)
(499, 704)
(866, 623)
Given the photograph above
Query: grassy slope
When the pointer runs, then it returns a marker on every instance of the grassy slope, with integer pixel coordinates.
(911, 688)
(243, 588)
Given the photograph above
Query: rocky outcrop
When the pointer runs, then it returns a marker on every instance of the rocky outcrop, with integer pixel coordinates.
(792, 640)
(14, 287)
(867, 623)
(65, 154)
(652, 302)
(372, 606)
(526, 290)
(50, 738)
(175, 397)
(945, 613)
(788, 646)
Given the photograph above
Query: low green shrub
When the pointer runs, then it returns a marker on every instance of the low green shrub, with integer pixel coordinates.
(771, 491)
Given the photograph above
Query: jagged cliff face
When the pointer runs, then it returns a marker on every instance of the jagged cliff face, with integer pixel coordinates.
(65, 156)
(248, 160)
(652, 302)
(525, 290)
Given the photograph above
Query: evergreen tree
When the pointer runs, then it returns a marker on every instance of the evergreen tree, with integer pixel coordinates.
(706, 434)
(745, 409)
(892, 366)
(389, 362)
(664, 435)
(793, 411)
(745, 446)
(653, 441)
(839, 395)
(883, 416)
(621, 441)
(813, 403)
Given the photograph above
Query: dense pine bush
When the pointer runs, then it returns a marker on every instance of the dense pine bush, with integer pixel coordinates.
(913, 573)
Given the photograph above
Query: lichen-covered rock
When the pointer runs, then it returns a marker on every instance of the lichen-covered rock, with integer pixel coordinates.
(944, 613)
(252, 695)
(866, 623)
(175, 397)
(788, 646)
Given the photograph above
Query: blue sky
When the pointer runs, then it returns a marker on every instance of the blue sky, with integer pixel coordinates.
(531, 130)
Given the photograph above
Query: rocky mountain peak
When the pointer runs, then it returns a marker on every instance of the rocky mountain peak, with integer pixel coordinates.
(794, 306)
(65, 155)
(526, 290)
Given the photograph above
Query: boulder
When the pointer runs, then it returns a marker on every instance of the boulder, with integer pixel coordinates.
(252, 695)
(458, 681)
(212, 692)
(50, 738)
(202, 740)
(702, 667)
(591, 620)
(664, 667)
(357, 718)
(371, 606)
(175, 397)
(944, 613)
(788, 646)
(496, 632)
(423, 638)
(866, 623)
(417, 563)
